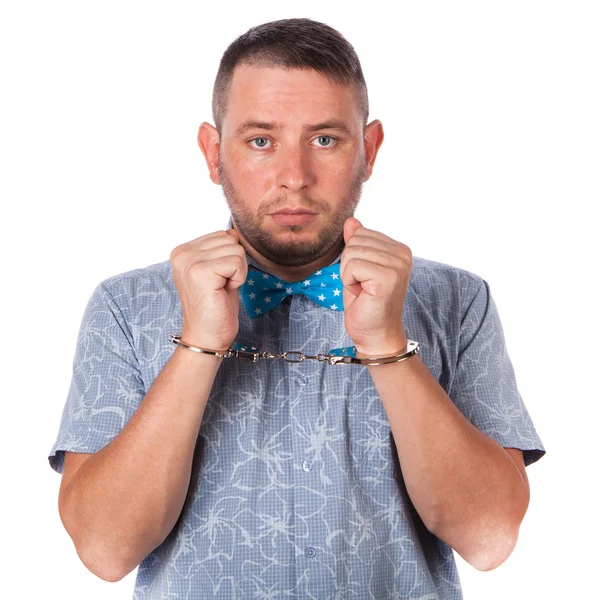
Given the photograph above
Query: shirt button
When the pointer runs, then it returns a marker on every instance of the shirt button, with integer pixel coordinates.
(307, 465)
(302, 379)
(310, 552)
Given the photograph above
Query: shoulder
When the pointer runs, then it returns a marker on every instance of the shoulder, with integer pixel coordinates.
(430, 269)
(142, 286)
(437, 282)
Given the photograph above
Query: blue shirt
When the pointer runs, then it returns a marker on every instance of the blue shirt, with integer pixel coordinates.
(296, 488)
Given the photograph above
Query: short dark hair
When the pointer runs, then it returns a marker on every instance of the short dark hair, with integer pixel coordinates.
(293, 44)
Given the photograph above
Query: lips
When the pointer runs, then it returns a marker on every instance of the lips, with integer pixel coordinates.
(293, 218)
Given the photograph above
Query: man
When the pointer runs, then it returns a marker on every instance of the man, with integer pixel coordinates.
(235, 478)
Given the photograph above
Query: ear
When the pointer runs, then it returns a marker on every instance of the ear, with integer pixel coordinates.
(208, 140)
(373, 140)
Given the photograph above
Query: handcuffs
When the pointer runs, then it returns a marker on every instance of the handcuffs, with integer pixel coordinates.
(336, 356)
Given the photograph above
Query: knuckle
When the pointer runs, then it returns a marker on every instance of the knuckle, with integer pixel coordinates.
(179, 251)
(243, 265)
(196, 269)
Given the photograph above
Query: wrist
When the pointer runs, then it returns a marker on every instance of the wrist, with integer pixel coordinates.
(196, 358)
(207, 344)
(389, 348)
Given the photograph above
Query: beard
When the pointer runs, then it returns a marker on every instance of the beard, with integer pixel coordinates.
(292, 252)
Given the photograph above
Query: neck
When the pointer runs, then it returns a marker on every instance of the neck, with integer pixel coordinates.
(291, 274)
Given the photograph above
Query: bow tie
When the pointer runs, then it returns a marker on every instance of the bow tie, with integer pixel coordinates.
(261, 292)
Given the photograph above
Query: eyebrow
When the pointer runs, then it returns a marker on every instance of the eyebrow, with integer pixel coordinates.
(330, 124)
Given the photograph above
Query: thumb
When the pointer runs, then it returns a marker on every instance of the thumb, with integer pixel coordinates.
(350, 226)
(233, 233)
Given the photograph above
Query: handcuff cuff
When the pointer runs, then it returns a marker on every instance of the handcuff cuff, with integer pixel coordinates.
(336, 356)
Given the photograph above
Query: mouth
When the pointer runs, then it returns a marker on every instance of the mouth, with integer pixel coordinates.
(293, 217)
(294, 211)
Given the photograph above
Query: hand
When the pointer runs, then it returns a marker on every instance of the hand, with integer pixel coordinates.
(375, 271)
(207, 272)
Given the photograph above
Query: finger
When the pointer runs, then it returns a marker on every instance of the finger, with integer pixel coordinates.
(228, 271)
(374, 242)
(233, 233)
(208, 254)
(379, 255)
(212, 240)
(210, 236)
(396, 249)
(374, 279)
(372, 233)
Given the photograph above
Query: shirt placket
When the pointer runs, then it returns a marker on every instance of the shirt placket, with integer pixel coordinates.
(310, 559)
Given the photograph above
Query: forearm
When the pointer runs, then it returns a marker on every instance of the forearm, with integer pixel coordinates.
(126, 498)
(464, 485)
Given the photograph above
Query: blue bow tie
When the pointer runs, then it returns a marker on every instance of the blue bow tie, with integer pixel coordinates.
(261, 292)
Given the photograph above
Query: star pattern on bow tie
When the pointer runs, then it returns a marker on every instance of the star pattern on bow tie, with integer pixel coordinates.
(262, 292)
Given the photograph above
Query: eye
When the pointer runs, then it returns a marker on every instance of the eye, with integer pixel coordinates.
(261, 142)
(262, 139)
(324, 138)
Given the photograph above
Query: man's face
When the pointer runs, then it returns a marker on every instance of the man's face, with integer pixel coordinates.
(263, 170)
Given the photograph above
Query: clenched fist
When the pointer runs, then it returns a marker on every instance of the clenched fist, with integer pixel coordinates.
(207, 273)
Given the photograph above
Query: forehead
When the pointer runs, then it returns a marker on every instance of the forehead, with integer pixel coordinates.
(290, 96)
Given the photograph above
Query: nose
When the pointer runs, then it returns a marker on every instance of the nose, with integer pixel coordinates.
(294, 169)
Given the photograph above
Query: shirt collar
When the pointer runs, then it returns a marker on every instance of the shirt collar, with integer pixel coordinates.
(251, 262)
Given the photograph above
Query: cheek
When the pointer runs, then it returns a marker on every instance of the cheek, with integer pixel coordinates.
(250, 178)
(256, 181)
(337, 174)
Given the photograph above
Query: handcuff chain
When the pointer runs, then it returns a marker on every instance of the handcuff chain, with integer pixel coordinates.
(254, 356)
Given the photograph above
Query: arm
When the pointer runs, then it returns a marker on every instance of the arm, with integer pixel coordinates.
(123, 501)
(465, 486)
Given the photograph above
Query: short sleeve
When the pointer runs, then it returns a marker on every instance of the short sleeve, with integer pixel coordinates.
(106, 386)
(484, 386)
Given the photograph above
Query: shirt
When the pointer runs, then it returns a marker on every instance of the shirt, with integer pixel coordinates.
(296, 489)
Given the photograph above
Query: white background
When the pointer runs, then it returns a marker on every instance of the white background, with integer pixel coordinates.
(490, 163)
